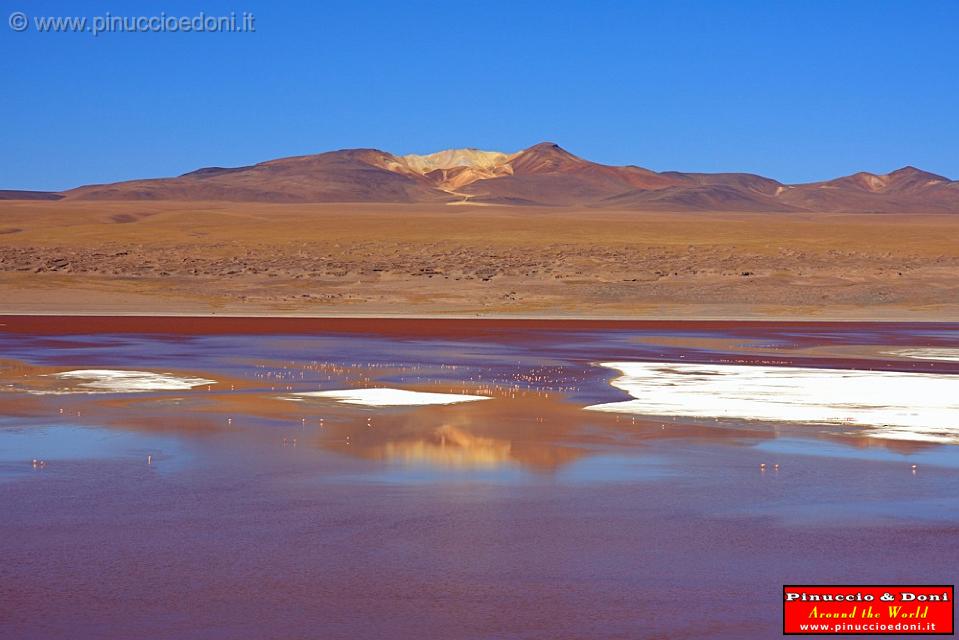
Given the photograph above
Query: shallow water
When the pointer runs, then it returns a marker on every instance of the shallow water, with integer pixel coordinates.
(209, 505)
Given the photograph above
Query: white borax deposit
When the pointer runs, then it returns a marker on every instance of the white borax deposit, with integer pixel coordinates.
(386, 397)
(125, 381)
(887, 404)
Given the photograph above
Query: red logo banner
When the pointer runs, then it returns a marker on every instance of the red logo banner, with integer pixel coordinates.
(868, 609)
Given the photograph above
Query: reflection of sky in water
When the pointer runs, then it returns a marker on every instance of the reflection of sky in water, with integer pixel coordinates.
(69, 442)
(942, 455)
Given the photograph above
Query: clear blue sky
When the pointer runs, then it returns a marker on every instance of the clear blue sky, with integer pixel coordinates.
(797, 91)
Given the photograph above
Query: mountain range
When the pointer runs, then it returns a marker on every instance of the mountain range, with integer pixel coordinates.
(544, 174)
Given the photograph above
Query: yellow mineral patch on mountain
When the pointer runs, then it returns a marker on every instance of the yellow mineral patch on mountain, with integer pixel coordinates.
(451, 158)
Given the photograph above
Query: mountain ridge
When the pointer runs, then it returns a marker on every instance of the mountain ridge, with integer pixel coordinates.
(544, 174)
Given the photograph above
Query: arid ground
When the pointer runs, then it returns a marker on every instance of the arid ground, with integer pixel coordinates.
(437, 259)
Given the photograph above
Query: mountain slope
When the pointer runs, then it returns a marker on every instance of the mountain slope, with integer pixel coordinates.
(548, 174)
(355, 175)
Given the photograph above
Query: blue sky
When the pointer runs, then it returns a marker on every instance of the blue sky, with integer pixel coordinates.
(796, 91)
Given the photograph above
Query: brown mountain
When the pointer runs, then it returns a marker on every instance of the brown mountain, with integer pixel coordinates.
(353, 175)
(15, 194)
(906, 189)
(544, 174)
(548, 174)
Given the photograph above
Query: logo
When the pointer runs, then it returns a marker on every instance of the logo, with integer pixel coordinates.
(868, 609)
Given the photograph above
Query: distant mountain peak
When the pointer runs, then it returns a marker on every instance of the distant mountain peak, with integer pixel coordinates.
(904, 180)
(545, 157)
(907, 169)
(547, 149)
(911, 172)
(546, 145)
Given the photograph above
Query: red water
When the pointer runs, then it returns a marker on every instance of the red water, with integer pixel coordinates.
(519, 517)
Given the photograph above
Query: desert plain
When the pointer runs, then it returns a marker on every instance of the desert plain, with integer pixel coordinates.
(472, 260)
